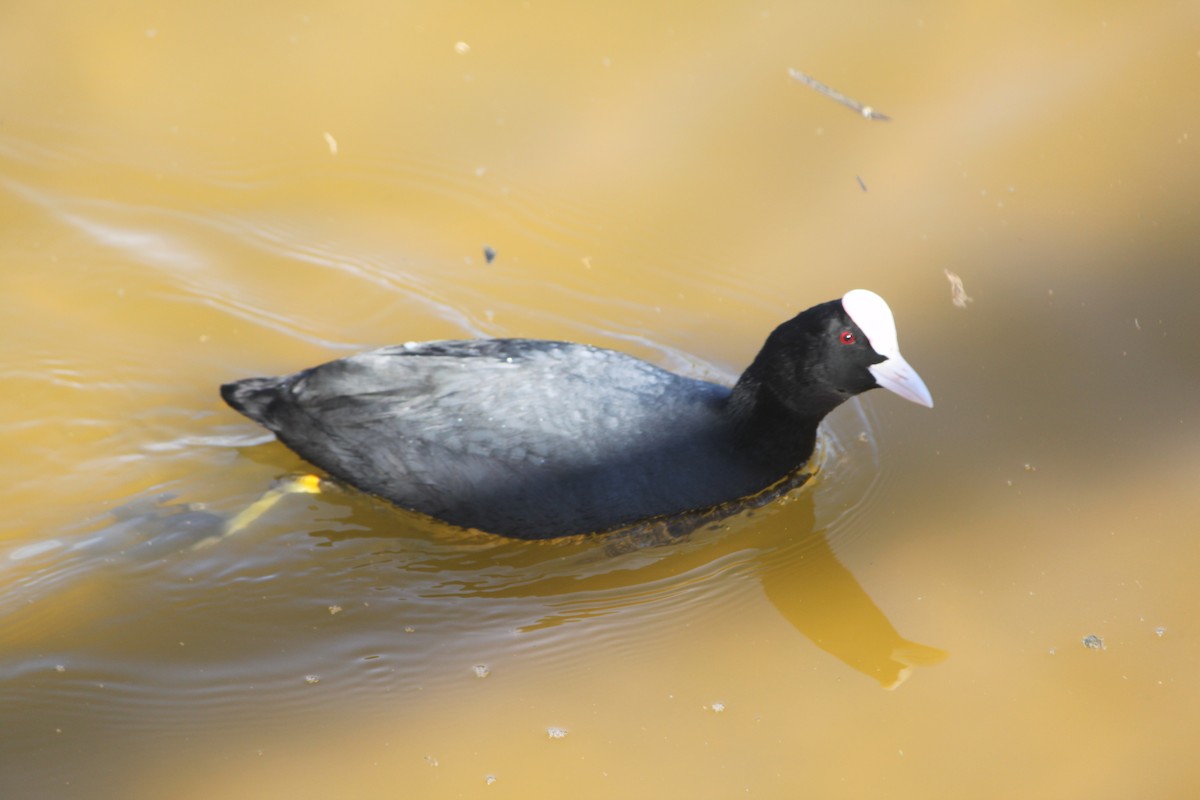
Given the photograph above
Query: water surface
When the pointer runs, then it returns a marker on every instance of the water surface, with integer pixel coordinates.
(202, 192)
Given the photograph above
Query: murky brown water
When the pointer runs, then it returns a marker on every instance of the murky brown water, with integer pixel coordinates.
(198, 192)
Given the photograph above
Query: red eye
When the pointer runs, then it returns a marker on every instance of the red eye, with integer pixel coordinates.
(847, 337)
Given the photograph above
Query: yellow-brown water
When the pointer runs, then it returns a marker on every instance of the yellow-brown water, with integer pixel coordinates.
(197, 192)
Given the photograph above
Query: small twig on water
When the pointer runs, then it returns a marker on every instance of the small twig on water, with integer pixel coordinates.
(849, 102)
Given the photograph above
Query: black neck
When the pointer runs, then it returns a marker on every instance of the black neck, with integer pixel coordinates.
(770, 433)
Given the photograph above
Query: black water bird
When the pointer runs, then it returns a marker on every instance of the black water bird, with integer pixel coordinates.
(537, 439)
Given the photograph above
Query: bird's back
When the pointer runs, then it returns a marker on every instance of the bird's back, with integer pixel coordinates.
(521, 437)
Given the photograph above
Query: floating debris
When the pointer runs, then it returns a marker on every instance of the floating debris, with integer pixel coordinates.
(860, 182)
(489, 253)
(958, 295)
(1093, 642)
(462, 48)
(312, 678)
(431, 761)
(335, 609)
(1159, 631)
(556, 732)
(717, 708)
(481, 670)
(866, 111)
(489, 779)
(332, 142)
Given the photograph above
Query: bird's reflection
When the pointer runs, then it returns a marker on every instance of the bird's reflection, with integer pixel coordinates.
(815, 592)
(824, 601)
(779, 545)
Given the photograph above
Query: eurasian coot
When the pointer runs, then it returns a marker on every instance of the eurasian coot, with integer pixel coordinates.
(536, 439)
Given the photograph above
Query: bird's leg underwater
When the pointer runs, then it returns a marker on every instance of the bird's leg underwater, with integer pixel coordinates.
(292, 484)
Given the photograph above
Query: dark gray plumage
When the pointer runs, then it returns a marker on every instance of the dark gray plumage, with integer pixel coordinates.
(535, 439)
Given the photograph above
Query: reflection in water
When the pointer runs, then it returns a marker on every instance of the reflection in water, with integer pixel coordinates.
(776, 543)
(582, 579)
(822, 599)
